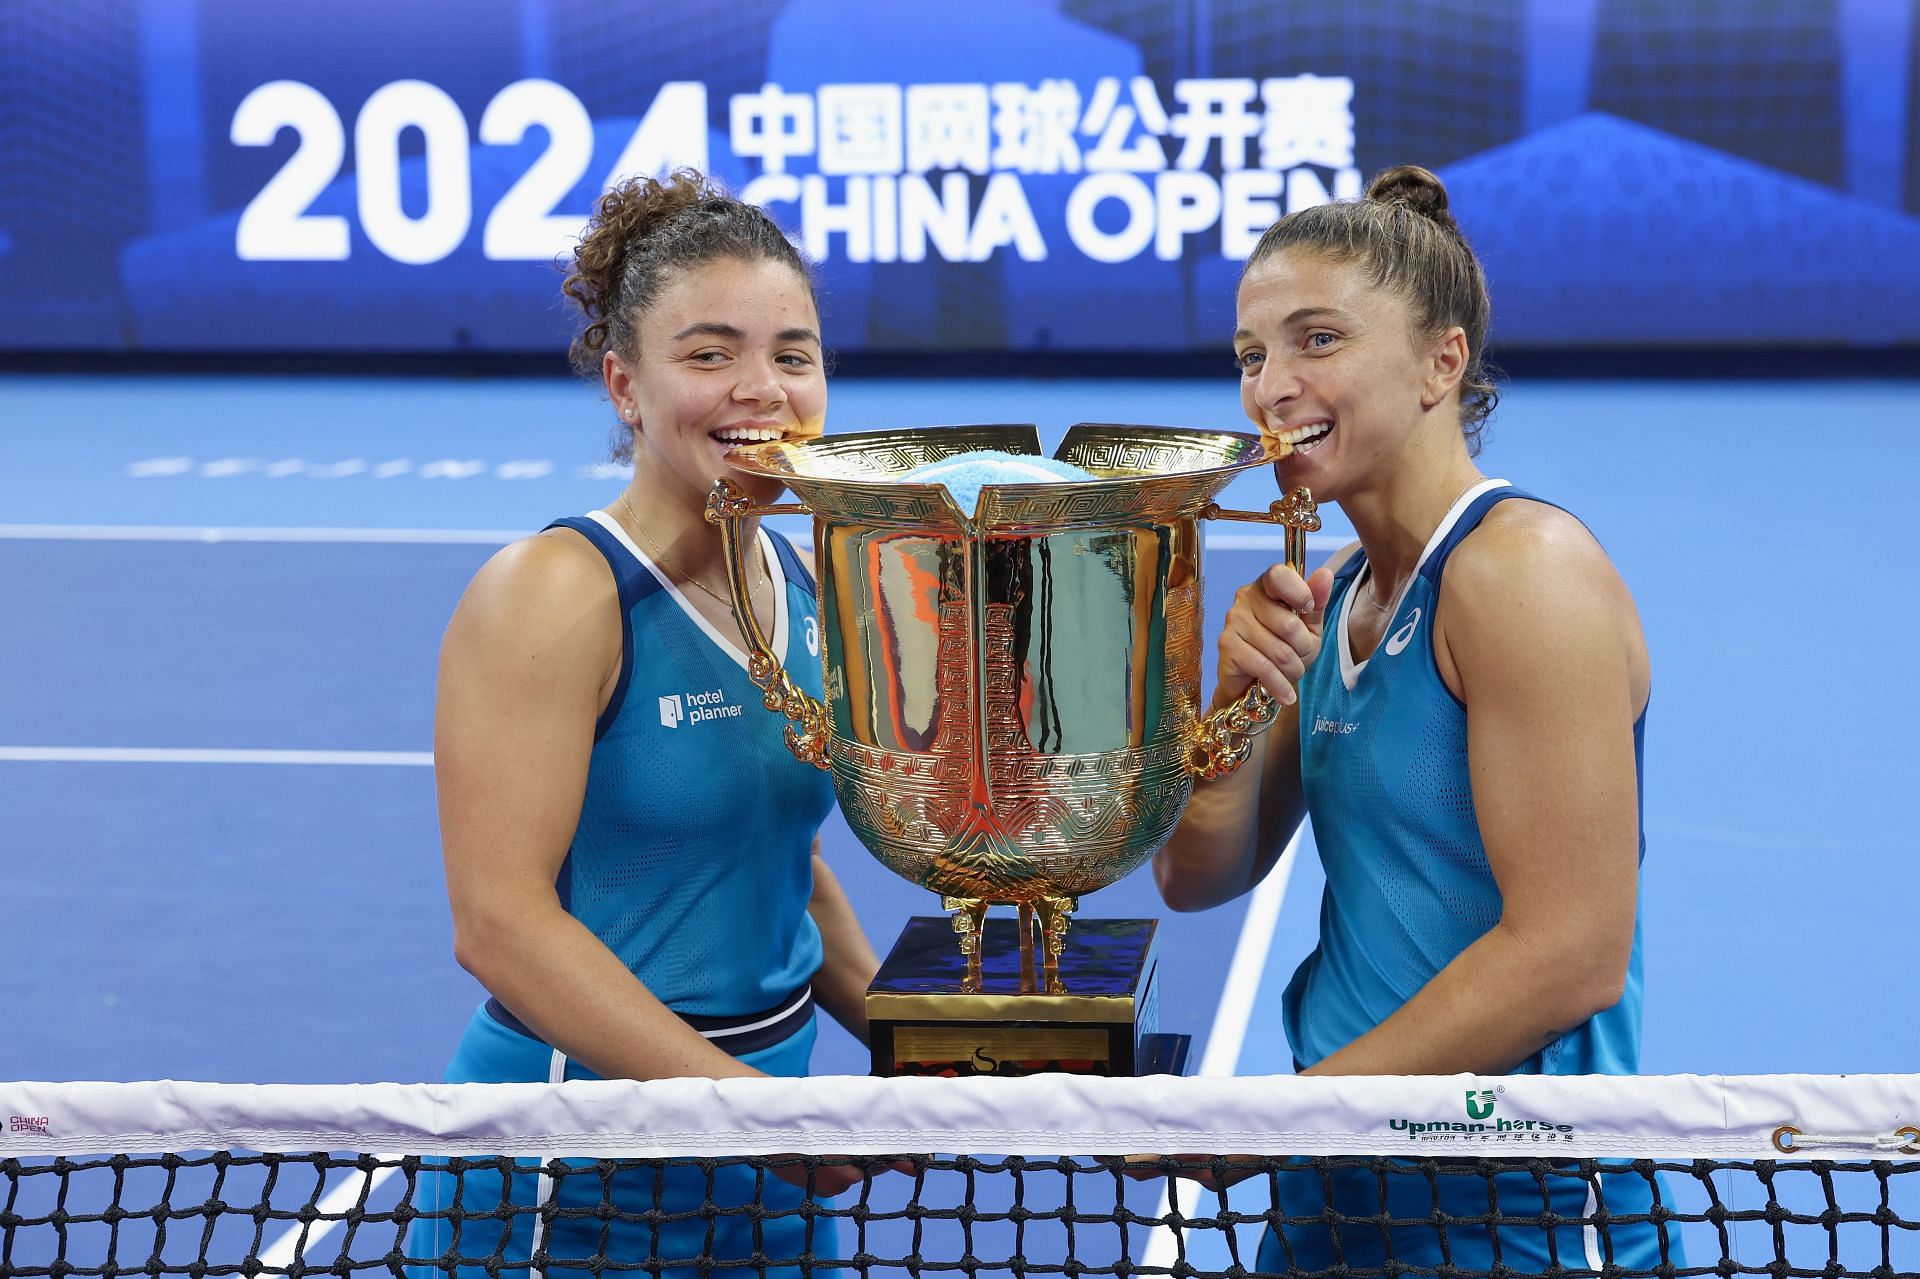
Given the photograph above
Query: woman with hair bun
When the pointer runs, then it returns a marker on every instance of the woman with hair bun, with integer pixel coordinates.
(630, 849)
(1463, 692)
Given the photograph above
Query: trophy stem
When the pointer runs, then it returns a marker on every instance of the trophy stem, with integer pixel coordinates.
(970, 921)
(1026, 946)
(1055, 917)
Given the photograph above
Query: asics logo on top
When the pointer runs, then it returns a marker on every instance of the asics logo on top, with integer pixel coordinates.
(1398, 641)
(671, 712)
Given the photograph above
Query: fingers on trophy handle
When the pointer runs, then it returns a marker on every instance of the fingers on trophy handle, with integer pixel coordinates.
(1222, 741)
(727, 505)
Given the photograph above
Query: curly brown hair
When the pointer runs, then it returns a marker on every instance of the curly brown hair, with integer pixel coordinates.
(1411, 245)
(643, 233)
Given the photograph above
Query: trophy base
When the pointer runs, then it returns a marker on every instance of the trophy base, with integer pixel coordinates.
(927, 1015)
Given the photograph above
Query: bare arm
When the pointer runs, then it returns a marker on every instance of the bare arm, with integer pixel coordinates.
(1235, 827)
(1544, 643)
(523, 669)
(849, 965)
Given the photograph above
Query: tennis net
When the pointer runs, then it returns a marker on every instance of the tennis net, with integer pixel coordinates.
(1056, 1175)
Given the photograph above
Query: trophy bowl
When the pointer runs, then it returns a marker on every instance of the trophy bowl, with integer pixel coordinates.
(1012, 710)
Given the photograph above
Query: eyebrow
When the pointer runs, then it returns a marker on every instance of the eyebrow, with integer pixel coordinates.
(1304, 313)
(713, 328)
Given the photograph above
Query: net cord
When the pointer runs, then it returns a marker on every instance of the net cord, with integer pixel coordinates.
(1673, 1116)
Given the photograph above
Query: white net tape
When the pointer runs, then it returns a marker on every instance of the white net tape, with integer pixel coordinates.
(1669, 1117)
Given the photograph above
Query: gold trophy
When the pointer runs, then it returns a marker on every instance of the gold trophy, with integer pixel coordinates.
(1012, 716)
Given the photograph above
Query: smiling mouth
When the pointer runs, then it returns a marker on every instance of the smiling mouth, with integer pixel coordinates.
(1298, 439)
(729, 436)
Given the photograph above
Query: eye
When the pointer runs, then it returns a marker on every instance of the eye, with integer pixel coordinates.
(1248, 361)
(1320, 340)
(708, 357)
(795, 359)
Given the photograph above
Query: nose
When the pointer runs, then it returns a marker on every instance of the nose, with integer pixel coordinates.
(1277, 383)
(759, 383)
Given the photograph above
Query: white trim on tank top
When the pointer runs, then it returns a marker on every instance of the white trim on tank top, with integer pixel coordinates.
(728, 645)
(1350, 669)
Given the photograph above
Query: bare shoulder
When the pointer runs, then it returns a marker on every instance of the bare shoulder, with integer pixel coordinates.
(1532, 583)
(540, 595)
(1529, 551)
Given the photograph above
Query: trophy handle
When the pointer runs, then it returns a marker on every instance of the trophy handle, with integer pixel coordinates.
(1220, 742)
(727, 505)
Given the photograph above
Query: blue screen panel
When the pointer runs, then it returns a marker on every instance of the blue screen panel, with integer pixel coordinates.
(1006, 175)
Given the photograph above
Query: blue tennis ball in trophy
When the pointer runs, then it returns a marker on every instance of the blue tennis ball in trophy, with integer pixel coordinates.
(965, 474)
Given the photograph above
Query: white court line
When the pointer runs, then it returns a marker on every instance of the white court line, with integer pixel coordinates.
(1240, 541)
(1230, 1018)
(169, 755)
(282, 1252)
(1235, 1009)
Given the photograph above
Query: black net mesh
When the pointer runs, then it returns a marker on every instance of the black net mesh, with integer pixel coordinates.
(236, 1213)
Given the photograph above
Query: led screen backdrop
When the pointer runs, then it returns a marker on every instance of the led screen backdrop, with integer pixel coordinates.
(399, 175)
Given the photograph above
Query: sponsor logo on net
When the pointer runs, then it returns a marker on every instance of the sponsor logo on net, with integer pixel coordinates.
(696, 708)
(1480, 1124)
(33, 1124)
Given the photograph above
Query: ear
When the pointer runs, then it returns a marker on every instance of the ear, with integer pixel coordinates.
(1446, 365)
(619, 382)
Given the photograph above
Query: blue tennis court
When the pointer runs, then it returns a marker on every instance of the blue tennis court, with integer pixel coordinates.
(224, 596)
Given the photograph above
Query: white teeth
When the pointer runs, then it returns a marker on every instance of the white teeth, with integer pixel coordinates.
(747, 434)
(1301, 435)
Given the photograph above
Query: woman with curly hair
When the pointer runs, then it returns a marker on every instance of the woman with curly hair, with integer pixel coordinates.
(631, 851)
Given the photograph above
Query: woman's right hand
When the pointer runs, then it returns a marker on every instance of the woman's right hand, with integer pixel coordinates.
(1272, 633)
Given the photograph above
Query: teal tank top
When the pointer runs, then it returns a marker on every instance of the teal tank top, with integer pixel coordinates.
(1383, 757)
(693, 858)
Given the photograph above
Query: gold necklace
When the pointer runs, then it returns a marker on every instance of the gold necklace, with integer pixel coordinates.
(1372, 592)
(667, 564)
